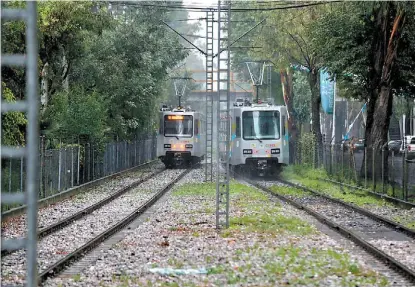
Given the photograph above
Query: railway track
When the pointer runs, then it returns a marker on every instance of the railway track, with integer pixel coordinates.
(396, 201)
(42, 233)
(52, 263)
(355, 223)
(387, 222)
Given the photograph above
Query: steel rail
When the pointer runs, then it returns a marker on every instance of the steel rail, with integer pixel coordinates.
(88, 210)
(410, 274)
(390, 223)
(59, 266)
(71, 191)
(394, 200)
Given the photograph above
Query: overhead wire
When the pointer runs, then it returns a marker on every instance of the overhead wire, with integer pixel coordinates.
(204, 9)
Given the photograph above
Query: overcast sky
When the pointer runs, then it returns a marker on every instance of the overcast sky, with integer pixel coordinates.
(202, 32)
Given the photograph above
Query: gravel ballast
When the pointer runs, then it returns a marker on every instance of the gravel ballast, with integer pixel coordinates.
(269, 244)
(16, 226)
(395, 244)
(54, 247)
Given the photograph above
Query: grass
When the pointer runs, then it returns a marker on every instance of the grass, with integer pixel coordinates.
(196, 189)
(405, 221)
(77, 278)
(312, 178)
(271, 224)
(209, 189)
(293, 265)
(394, 190)
(265, 218)
(260, 219)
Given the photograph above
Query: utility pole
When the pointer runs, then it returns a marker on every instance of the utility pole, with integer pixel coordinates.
(209, 96)
(223, 110)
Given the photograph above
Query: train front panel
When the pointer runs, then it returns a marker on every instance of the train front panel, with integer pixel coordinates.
(181, 138)
(259, 138)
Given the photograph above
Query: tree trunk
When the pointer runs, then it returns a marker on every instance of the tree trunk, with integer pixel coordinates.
(288, 94)
(379, 107)
(313, 81)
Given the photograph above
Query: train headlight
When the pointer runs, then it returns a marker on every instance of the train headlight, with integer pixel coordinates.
(247, 151)
(189, 146)
(167, 145)
(275, 151)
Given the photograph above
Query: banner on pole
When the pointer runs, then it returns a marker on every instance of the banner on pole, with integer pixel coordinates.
(326, 92)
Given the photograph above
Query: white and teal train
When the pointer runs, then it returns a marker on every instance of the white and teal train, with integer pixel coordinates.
(182, 137)
(259, 138)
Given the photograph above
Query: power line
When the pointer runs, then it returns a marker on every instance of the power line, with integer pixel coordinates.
(204, 9)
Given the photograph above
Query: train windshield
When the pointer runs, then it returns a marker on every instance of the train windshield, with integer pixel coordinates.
(178, 126)
(261, 125)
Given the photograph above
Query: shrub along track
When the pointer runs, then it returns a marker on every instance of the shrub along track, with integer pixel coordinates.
(355, 223)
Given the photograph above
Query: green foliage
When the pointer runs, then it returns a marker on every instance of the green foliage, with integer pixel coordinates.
(60, 28)
(306, 149)
(271, 224)
(130, 72)
(77, 113)
(118, 62)
(13, 124)
(297, 266)
(343, 38)
(243, 23)
(302, 97)
(312, 178)
(402, 106)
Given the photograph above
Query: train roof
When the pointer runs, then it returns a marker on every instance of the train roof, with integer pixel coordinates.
(178, 110)
(259, 107)
(247, 105)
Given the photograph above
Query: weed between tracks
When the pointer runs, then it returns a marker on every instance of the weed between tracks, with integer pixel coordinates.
(264, 246)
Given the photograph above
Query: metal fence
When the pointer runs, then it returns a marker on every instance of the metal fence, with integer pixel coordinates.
(381, 170)
(73, 165)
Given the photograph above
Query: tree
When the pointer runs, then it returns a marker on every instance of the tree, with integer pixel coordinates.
(285, 40)
(369, 47)
(61, 25)
(114, 62)
(128, 67)
(302, 98)
(13, 124)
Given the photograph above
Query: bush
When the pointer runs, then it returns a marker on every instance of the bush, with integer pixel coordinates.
(306, 149)
(77, 114)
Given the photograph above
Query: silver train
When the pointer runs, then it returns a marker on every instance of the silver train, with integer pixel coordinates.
(259, 138)
(181, 138)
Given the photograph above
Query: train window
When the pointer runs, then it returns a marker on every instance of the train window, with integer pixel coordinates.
(161, 125)
(261, 125)
(283, 125)
(196, 127)
(238, 127)
(178, 126)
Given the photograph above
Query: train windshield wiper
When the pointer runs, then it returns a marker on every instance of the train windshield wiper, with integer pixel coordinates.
(258, 139)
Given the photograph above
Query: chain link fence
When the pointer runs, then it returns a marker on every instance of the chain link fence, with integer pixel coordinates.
(381, 170)
(74, 165)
